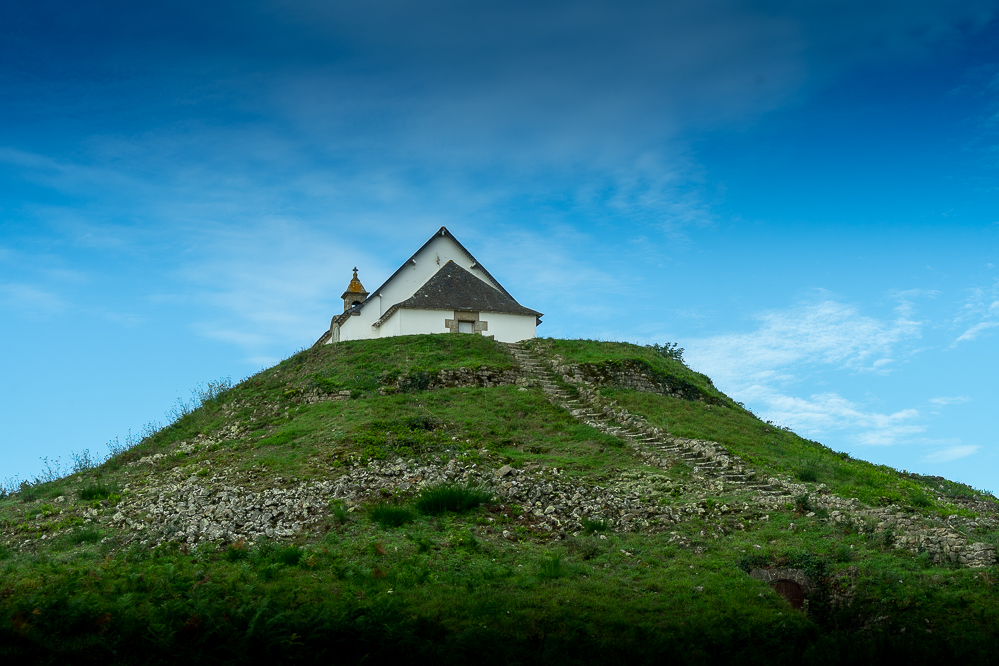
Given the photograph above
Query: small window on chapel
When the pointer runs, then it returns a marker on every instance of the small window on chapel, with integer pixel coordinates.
(466, 327)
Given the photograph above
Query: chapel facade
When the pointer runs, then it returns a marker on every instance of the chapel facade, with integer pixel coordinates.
(442, 288)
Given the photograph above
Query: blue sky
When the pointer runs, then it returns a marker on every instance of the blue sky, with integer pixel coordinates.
(802, 195)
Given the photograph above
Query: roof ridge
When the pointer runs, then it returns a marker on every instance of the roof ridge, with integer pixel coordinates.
(463, 292)
(443, 231)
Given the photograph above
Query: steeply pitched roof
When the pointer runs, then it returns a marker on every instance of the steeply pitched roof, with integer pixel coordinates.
(454, 288)
(440, 232)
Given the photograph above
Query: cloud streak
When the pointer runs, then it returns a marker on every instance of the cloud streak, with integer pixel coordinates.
(31, 300)
(758, 366)
(982, 304)
(952, 453)
(817, 333)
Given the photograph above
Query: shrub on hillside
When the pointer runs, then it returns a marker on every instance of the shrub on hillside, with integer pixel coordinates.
(97, 490)
(449, 496)
(591, 525)
(391, 516)
(671, 350)
(85, 535)
(809, 473)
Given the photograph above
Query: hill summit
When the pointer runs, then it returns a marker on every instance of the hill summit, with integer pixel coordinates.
(448, 497)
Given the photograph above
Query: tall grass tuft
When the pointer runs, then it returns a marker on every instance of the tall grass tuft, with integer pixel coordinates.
(97, 490)
(338, 512)
(85, 535)
(387, 515)
(920, 500)
(288, 556)
(449, 496)
(591, 525)
(809, 473)
(552, 567)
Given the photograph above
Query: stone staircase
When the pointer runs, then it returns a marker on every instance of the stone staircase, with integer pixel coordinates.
(719, 470)
(708, 460)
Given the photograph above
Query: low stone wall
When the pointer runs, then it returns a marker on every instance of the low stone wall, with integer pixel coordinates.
(456, 378)
(627, 374)
(316, 395)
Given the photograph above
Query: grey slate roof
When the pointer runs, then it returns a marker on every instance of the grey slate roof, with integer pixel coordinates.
(454, 288)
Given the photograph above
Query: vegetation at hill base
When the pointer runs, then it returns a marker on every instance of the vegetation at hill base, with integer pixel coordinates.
(478, 522)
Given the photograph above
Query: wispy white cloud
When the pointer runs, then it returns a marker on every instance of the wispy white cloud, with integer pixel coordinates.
(760, 367)
(982, 307)
(952, 453)
(237, 337)
(30, 300)
(955, 400)
(826, 413)
(816, 333)
(976, 330)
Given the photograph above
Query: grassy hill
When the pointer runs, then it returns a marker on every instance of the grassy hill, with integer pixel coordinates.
(447, 498)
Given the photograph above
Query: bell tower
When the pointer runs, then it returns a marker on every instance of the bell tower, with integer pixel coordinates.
(355, 293)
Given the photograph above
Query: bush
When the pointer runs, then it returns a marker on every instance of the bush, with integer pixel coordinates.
(465, 539)
(671, 350)
(237, 551)
(552, 567)
(28, 492)
(808, 474)
(84, 462)
(391, 516)
(427, 423)
(590, 526)
(97, 491)
(338, 512)
(289, 556)
(442, 497)
(85, 535)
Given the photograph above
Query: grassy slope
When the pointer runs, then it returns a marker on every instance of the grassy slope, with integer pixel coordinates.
(765, 445)
(445, 587)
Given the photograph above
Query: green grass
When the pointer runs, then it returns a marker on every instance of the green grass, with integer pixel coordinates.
(598, 353)
(453, 497)
(425, 591)
(590, 525)
(427, 580)
(97, 490)
(774, 450)
(391, 516)
(85, 535)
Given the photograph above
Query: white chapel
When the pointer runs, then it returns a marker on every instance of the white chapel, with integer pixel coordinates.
(440, 289)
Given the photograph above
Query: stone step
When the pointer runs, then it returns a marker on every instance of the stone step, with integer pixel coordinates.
(636, 432)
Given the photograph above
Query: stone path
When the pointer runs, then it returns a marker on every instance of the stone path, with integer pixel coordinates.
(720, 471)
(710, 461)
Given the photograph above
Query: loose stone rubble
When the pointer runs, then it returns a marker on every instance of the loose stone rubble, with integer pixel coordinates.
(717, 469)
(194, 510)
(224, 507)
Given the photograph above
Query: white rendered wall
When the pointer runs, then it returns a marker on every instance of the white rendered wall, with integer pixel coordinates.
(415, 322)
(506, 327)
(503, 327)
(358, 327)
